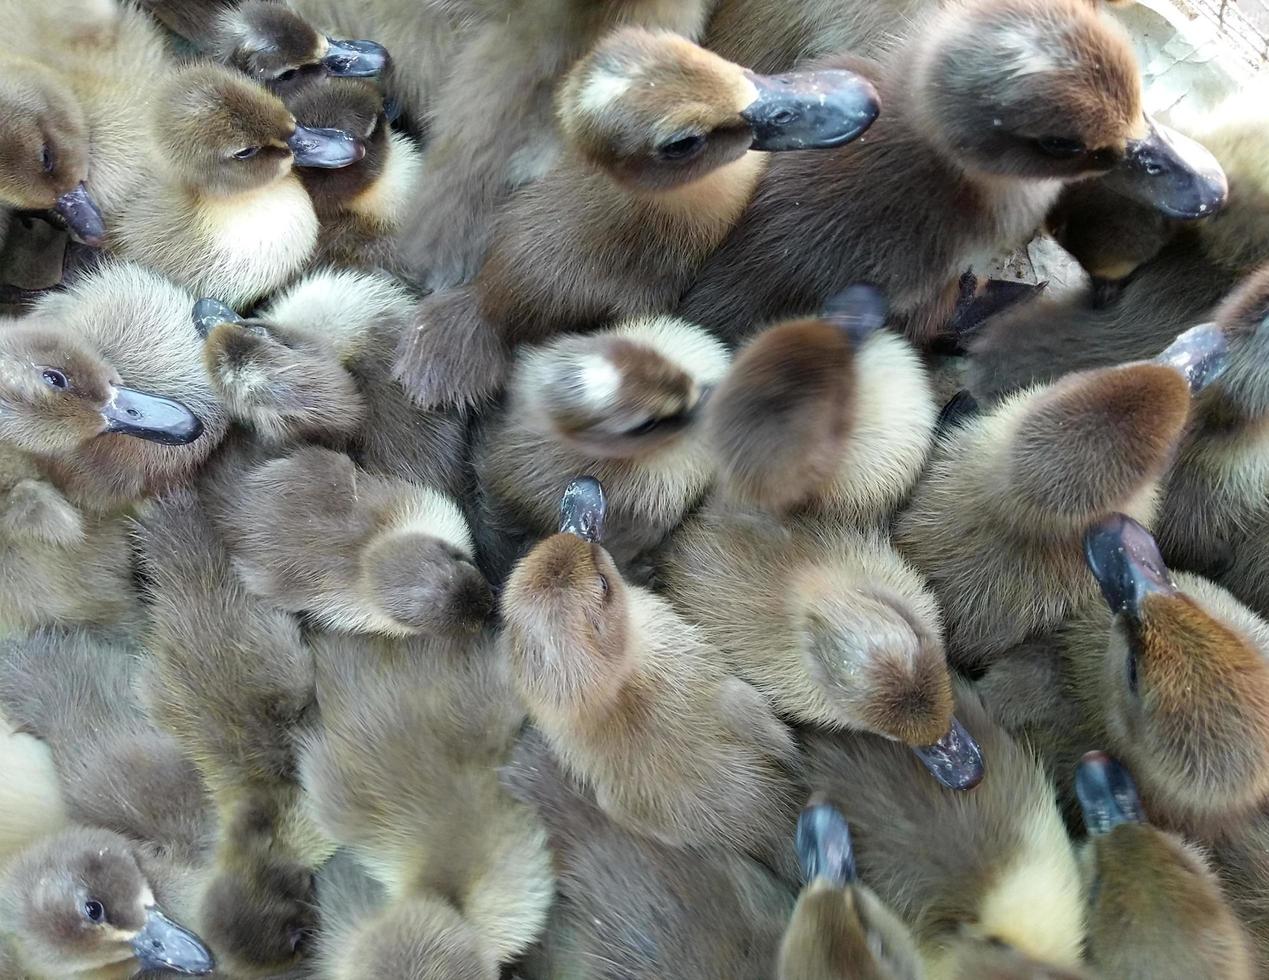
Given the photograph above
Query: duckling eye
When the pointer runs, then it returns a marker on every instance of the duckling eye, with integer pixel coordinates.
(682, 148)
(246, 153)
(54, 378)
(644, 428)
(1059, 147)
(46, 159)
(1133, 681)
(287, 75)
(94, 911)
(603, 585)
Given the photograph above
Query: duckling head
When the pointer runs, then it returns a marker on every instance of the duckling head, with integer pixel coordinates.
(57, 393)
(80, 901)
(282, 51)
(44, 149)
(222, 135)
(351, 106)
(1185, 692)
(655, 110)
(1052, 90)
(283, 383)
(264, 913)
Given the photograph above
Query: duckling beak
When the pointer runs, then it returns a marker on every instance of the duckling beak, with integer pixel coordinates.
(1126, 563)
(1107, 794)
(211, 313)
(860, 310)
(166, 945)
(955, 760)
(150, 417)
(582, 509)
(329, 149)
(1172, 173)
(824, 846)
(1201, 354)
(809, 110)
(354, 59)
(82, 216)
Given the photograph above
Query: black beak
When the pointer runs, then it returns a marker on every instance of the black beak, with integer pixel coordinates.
(82, 216)
(860, 310)
(1126, 562)
(211, 313)
(1107, 794)
(810, 110)
(823, 845)
(1176, 176)
(150, 417)
(582, 509)
(354, 59)
(955, 760)
(328, 149)
(1200, 354)
(166, 945)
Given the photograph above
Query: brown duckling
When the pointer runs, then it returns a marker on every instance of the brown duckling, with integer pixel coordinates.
(234, 684)
(224, 212)
(622, 405)
(616, 886)
(403, 773)
(660, 135)
(996, 521)
(840, 930)
(1155, 907)
(990, 107)
(103, 386)
(635, 702)
(965, 871)
(313, 533)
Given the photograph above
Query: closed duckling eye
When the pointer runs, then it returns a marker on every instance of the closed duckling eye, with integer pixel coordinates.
(47, 160)
(54, 378)
(94, 911)
(1060, 147)
(287, 75)
(603, 586)
(1131, 673)
(681, 148)
(644, 427)
(246, 153)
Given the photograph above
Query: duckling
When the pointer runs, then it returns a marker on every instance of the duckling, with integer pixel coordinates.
(616, 886)
(995, 523)
(965, 871)
(223, 211)
(621, 404)
(1241, 857)
(636, 703)
(234, 684)
(840, 929)
(660, 135)
(991, 106)
(103, 387)
(31, 803)
(316, 364)
(313, 533)
(403, 773)
(1155, 907)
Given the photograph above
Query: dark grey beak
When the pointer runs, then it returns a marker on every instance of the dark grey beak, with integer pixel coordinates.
(1126, 562)
(860, 310)
(1176, 176)
(211, 313)
(328, 149)
(824, 846)
(582, 509)
(810, 110)
(1107, 794)
(166, 945)
(354, 59)
(955, 760)
(82, 216)
(1201, 354)
(150, 417)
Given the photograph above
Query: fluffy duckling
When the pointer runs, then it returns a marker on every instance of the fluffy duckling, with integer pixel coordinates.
(996, 522)
(1155, 907)
(31, 803)
(403, 773)
(615, 887)
(1242, 859)
(313, 533)
(316, 365)
(991, 106)
(1177, 678)
(103, 386)
(634, 701)
(234, 684)
(966, 871)
(840, 929)
(224, 212)
(658, 170)
(622, 405)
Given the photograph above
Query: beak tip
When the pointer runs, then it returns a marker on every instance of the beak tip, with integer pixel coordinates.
(583, 508)
(955, 760)
(824, 845)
